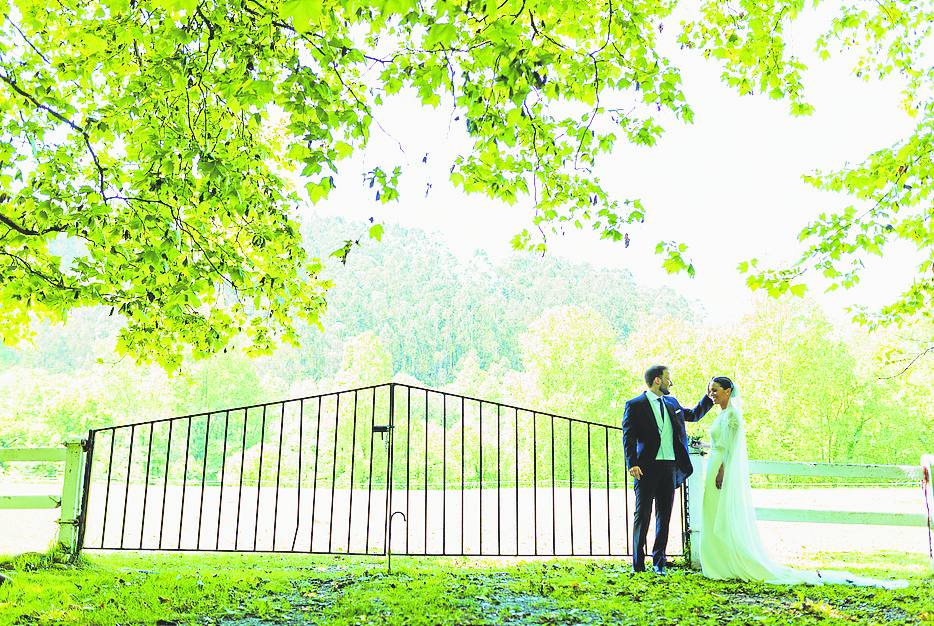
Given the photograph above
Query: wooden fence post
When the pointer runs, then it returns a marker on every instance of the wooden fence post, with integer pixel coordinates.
(71, 495)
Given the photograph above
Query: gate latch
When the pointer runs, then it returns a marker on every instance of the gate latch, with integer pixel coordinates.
(382, 430)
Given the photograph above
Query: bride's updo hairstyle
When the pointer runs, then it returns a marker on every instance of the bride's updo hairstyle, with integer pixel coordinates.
(723, 381)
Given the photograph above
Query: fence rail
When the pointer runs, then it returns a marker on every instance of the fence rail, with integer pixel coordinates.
(834, 470)
(840, 517)
(30, 502)
(32, 455)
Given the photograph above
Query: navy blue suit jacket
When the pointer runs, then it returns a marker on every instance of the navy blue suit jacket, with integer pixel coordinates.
(641, 439)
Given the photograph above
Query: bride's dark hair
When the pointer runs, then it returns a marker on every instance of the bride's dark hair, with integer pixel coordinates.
(723, 381)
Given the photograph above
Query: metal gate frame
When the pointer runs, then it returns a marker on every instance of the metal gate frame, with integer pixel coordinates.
(565, 458)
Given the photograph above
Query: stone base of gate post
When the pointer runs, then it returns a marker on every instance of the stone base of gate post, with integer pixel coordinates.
(695, 494)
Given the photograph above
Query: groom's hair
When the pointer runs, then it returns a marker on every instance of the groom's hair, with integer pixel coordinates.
(654, 372)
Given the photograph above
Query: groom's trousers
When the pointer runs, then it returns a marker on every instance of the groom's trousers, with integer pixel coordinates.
(657, 486)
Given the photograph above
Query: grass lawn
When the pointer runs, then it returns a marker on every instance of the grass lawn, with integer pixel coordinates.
(249, 590)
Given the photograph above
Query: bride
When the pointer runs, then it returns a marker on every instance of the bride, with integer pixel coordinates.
(730, 546)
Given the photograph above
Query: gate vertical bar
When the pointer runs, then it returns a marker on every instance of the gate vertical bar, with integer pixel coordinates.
(425, 522)
(517, 481)
(571, 487)
(275, 508)
(126, 491)
(220, 499)
(181, 515)
(337, 417)
(240, 489)
(298, 503)
(353, 458)
(535, 478)
(142, 524)
(609, 540)
(463, 466)
(408, 457)
(83, 515)
(390, 460)
(259, 476)
(444, 473)
(204, 472)
(480, 474)
(589, 491)
(165, 481)
(314, 481)
(554, 515)
(369, 489)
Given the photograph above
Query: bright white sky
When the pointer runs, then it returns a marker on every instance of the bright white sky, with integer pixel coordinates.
(729, 185)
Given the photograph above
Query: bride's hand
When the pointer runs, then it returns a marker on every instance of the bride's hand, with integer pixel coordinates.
(719, 480)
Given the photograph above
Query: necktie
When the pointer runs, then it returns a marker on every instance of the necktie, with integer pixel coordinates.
(661, 408)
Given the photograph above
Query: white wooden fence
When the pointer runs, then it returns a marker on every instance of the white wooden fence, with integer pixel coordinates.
(72, 455)
(921, 474)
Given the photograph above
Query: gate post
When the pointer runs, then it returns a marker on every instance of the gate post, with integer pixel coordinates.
(71, 495)
(927, 484)
(695, 493)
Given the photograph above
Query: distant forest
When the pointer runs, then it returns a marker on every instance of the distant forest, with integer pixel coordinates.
(544, 332)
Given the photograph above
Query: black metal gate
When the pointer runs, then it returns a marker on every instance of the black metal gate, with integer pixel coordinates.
(420, 471)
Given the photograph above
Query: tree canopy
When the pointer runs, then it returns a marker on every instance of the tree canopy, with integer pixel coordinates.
(154, 140)
(891, 187)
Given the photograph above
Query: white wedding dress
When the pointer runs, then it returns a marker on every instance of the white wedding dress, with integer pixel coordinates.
(730, 545)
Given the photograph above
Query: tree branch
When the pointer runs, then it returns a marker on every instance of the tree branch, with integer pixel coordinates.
(59, 284)
(80, 129)
(26, 231)
(909, 366)
(26, 39)
(545, 35)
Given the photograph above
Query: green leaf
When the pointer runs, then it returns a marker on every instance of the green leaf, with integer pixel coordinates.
(343, 149)
(94, 44)
(441, 33)
(303, 13)
(319, 190)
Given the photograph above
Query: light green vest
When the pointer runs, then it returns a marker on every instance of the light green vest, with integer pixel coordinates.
(666, 451)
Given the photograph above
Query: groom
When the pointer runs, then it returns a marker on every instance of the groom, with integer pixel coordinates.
(655, 444)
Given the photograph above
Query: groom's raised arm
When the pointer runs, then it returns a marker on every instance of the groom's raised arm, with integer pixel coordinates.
(629, 438)
(693, 415)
